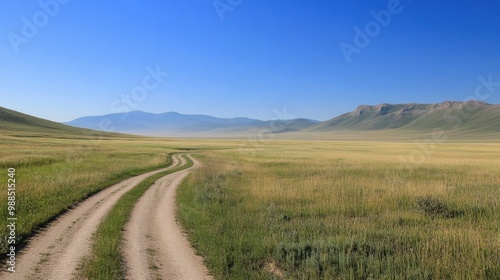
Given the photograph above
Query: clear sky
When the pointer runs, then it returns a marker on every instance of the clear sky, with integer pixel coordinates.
(65, 59)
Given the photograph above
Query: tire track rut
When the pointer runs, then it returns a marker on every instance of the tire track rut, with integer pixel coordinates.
(154, 244)
(55, 252)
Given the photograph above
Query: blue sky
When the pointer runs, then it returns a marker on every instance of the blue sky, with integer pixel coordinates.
(229, 58)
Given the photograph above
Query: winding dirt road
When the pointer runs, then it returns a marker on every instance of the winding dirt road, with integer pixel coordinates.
(56, 251)
(154, 244)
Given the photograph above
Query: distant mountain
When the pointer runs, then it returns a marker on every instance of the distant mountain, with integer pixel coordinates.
(460, 116)
(173, 123)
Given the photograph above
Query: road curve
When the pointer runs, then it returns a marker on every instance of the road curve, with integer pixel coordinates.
(55, 252)
(154, 245)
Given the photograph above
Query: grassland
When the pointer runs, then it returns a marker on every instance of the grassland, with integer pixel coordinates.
(346, 210)
(288, 209)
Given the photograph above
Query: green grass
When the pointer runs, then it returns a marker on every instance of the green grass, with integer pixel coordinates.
(333, 210)
(55, 174)
(106, 260)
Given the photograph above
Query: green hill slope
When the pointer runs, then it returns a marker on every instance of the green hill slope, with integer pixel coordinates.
(483, 118)
(466, 117)
(18, 124)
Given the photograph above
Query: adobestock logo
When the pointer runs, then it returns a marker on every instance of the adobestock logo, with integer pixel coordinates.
(222, 7)
(257, 142)
(124, 105)
(31, 26)
(363, 36)
(128, 102)
(458, 116)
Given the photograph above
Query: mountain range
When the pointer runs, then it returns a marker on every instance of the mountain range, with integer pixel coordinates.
(460, 119)
(172, 123)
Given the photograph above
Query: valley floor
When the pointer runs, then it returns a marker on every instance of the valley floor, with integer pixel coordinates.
(271, 209)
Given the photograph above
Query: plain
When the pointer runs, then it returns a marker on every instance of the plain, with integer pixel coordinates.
(289, 209)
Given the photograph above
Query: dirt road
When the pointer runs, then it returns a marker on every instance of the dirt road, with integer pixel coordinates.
(56, 251)
(154, 244)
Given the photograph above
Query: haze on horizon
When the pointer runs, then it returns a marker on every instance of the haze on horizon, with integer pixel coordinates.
(318, 59)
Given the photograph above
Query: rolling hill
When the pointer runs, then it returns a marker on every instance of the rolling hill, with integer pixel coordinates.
(15, 123)
(469, 116)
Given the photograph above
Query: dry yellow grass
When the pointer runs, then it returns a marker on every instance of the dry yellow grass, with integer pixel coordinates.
(312, 209)
(326, 210)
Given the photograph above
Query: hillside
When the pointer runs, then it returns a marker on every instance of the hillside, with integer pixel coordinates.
(470, 116)
(16, 123)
